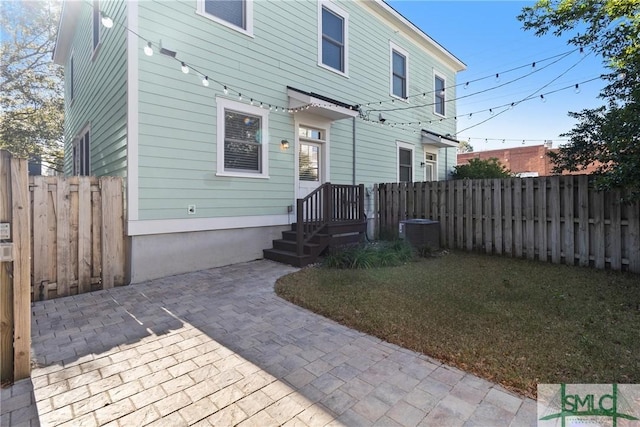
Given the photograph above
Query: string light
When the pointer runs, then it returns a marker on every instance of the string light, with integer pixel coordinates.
(148, 49)
(491, 111)
(497, 77)
(239, 97)
(577, 89)
(205, 81)
(106, 21)
(226, 91)
(542, 98)
(184, 68)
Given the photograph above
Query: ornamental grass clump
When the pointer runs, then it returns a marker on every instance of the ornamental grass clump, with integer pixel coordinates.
(370, 255)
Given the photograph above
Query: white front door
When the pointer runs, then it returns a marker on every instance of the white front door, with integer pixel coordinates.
(310, 160)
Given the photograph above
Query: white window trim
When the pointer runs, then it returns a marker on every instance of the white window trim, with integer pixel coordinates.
(76, 141)
(434, 177)
(403, 52)
(345, 16)
(444, 79)
(304, 120)
(72, 78)
(96, 4)
(222, 104)
(200, 10)
(410, 147)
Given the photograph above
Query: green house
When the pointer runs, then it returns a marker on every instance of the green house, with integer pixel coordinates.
(222, 115)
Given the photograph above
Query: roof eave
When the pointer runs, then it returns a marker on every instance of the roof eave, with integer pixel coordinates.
(66, 30)
(454, 62)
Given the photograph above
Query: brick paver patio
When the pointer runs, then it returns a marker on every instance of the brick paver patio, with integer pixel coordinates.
(219, 348)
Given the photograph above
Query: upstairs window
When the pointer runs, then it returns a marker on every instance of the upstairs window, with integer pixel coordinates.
(333, 37)
(95, 22)
(399, 71)
(242, 139)
(82, 154)
(439, 100)
(71, 81)
(236, 14)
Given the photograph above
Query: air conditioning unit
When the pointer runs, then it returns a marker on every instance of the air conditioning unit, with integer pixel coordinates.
(421, 233)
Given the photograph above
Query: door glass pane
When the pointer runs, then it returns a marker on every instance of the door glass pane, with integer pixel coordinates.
(309, 161)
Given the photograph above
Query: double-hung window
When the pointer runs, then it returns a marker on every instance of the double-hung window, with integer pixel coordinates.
(82, 154)
(405, 162)
(332, 37)
(236, 14)
(242, 141)
(399, 71)
(71, 81)
(439, 95)
(95, 23)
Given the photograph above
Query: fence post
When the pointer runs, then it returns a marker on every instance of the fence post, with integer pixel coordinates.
(6, 287)
(21, 230)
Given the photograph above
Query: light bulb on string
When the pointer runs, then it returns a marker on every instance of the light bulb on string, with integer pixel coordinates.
(239, 97)
(470, 115)
(205, 81)
(491, 111)
(466, 85)
(226, 91)
(581, 50)
(184, 68)
(577, 89)
(513, 104)
(251, 101)
(533, 65)
(148, 49)
(270, 107)
(497, 78)
(106, 21)
(542, 98)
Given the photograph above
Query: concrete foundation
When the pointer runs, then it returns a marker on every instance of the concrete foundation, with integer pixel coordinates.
(160, 255)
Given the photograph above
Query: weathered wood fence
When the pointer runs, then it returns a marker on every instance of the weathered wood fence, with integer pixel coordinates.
(15, 302)
(561, 219)
(66, 237)
(78, 235)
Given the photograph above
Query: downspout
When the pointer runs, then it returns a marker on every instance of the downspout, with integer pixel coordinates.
(446, 164)
(353, 126)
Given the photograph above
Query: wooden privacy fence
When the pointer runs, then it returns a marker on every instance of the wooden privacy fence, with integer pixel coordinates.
(561, 219)
(78, 235)
(15, 302)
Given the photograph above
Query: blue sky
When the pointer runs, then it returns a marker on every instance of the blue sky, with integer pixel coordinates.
(489, 39)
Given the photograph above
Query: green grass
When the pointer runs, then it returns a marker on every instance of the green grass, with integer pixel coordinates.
(511, 321)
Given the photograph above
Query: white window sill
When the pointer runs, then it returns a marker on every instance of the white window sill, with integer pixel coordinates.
(243, 175)
(247, 32)
(399, 98)
(338, 72)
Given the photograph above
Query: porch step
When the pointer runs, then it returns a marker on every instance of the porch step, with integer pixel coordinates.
(291, 246)
(287, 257)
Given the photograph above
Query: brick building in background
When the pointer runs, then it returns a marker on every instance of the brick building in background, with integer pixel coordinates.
(523, 161)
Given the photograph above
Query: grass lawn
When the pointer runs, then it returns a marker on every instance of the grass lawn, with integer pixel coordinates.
(511, 321)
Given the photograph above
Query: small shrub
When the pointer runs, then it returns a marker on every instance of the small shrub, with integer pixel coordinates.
(378, 254)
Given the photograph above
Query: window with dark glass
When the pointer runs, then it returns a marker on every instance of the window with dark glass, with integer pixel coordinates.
(405, 166)
(439, 96)
(332, 40)
(82, 155)
(231, 11)
(399, 74)
(96, 23)
(242, 142)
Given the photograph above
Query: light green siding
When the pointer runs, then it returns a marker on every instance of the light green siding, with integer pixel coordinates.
(177, 115)
(100, 88)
